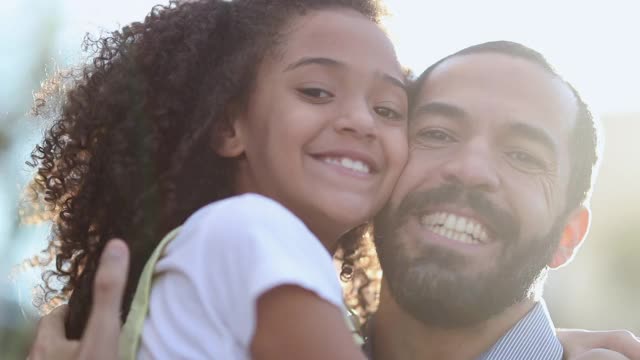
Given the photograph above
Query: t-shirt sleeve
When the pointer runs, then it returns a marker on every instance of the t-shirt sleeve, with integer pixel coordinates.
(226, 256)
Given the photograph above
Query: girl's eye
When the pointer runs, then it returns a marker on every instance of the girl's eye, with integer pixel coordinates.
(388, 113)
(315, 93)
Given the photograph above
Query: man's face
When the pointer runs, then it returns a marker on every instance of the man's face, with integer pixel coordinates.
(480, 207)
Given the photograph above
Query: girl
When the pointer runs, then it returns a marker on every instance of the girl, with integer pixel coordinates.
(298, 104)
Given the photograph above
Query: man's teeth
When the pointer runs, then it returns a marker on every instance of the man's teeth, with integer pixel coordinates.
(355, 165)
(455, 227)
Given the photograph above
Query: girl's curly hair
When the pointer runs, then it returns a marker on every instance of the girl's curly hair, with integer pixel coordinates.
(131, 153)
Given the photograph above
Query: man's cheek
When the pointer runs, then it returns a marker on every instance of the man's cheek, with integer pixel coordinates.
(411, 180)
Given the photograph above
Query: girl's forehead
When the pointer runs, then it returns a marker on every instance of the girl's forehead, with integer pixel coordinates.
(341, 34)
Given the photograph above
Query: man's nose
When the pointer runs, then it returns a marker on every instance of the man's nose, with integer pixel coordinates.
(474, 166)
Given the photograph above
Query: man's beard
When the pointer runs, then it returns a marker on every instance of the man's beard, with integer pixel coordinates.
(428, 281)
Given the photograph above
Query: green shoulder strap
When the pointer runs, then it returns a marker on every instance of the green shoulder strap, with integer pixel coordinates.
(132, 328)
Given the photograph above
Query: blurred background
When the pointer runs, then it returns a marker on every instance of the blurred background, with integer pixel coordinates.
(594, 45)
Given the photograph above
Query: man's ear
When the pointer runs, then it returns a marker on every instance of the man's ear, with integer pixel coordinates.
(572, 236)
(229, 141)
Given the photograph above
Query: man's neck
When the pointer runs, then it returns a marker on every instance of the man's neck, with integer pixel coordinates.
(399, 336)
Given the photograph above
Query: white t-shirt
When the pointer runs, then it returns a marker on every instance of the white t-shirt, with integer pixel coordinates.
(227, 254)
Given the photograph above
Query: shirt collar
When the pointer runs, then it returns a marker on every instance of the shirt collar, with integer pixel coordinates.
(532, 338)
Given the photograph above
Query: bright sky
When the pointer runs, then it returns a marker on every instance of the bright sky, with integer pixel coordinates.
(595, 44)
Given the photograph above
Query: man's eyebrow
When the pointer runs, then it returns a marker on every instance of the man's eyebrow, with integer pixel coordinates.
(439, 108)
(515, 127)
(533, 133)
(305, 61)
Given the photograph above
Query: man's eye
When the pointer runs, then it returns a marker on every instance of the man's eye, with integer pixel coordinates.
(388, 113)
(435, 135)
(316, 93)
(526, 161)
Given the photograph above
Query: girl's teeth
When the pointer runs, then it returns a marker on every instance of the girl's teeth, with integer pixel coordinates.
(350, 164)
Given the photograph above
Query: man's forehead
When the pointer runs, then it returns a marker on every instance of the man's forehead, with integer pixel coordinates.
(502, 80)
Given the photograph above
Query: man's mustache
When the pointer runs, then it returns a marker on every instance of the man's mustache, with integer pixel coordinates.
(505, 225)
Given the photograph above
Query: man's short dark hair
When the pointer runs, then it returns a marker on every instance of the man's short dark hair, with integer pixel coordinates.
(584, 139)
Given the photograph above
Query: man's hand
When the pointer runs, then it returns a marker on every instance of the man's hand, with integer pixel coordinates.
(50, 342)
(100, 338)
(600, 354)
(583, 344)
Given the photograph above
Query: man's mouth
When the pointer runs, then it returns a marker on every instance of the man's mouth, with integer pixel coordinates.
(455, 227)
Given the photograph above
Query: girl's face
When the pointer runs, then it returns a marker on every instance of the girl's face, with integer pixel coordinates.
(325, 129)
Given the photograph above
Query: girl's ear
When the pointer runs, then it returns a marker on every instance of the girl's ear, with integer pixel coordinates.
(229, 139)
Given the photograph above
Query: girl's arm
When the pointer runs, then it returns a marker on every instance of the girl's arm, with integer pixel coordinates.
(294, 323)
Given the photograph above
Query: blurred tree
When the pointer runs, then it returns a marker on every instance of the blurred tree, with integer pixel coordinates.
(28, 43)
(4, 142)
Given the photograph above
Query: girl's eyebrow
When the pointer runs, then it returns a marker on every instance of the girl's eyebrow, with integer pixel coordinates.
(324, 61)
(394, 81)
(305, 61)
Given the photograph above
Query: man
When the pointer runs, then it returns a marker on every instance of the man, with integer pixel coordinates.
(493, 195)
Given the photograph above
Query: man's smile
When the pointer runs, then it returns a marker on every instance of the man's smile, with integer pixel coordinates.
(455, 227)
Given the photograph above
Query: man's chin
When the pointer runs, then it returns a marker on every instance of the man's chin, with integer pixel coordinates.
(445, 298)
(445, 289)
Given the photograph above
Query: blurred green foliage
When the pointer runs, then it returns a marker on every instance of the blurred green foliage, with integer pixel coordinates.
(16, 334)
